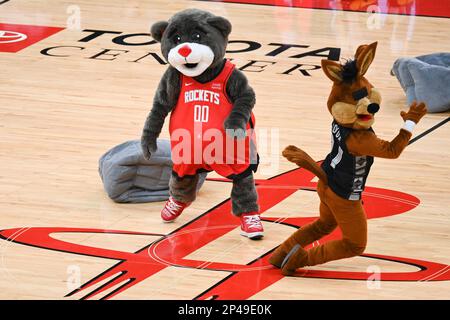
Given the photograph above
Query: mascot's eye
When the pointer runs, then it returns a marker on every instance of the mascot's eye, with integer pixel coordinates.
(196, 36)
(176, 38)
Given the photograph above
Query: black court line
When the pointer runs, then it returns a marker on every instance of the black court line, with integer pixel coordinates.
(330, 9)
(3, 2)
(423, 134)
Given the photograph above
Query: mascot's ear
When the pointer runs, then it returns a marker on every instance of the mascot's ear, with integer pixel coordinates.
(332, 70)
(364, 57)
(157, 30)
(220, 23)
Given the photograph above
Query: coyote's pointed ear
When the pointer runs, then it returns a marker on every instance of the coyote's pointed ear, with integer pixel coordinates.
(158, 29)
(364, 57)
(332, 70)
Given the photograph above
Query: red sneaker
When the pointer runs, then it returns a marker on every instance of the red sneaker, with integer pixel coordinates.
(251, 226)
(172, 209)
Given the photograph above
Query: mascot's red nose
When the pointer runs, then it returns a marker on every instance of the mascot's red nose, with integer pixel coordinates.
(184, 51)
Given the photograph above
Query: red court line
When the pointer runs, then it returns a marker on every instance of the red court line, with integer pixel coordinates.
(427, 8)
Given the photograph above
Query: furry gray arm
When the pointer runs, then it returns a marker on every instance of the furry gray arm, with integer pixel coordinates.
(164, 101)
(243, 98)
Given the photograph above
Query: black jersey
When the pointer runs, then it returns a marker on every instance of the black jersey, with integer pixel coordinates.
(346, 173)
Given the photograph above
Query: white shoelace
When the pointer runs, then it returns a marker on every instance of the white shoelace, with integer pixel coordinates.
(172, 206)
(253, 221)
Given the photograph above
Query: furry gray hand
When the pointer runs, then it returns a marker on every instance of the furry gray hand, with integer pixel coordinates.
(148, 144)
(235, 127)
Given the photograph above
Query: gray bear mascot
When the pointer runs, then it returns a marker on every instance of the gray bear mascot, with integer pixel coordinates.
(211, 121)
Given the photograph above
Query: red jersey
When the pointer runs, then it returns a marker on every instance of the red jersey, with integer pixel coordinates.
(198, 138)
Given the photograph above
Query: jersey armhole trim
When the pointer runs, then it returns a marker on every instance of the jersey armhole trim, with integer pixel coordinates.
(225, 82)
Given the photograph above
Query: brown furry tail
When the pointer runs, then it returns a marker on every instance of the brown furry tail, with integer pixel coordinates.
(302, 159)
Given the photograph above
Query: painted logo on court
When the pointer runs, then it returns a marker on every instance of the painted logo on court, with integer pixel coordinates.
(11, 36)
(15, 37)
(243, 280)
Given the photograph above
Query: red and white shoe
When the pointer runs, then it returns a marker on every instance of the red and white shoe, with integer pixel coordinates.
(251, 226)
(172, 209)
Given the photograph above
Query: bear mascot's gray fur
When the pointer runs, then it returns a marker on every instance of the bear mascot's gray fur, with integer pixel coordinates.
(203, 91)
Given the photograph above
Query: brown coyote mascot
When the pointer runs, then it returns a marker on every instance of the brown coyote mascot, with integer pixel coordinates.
(353, 102)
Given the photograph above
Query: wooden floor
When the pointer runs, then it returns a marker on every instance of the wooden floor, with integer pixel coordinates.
(61, 111)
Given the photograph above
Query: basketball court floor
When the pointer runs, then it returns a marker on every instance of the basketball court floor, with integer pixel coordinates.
(78, 77)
